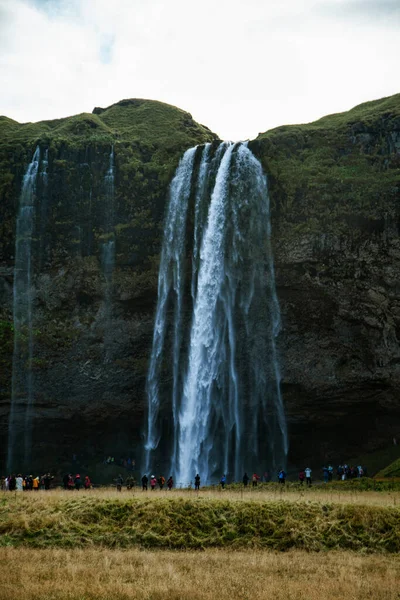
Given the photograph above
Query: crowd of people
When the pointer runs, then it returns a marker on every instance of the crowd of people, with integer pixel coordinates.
(343, 472)
(76, 482)
(19, 483)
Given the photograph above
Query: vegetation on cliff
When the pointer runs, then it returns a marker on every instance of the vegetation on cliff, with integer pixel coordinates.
(340, 171)
(72, 221)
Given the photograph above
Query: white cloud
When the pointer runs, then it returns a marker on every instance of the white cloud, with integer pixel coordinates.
(238, 67)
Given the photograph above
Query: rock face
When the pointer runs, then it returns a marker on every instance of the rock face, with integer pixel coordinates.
(335, 189)
(89, 362)
(335, 193)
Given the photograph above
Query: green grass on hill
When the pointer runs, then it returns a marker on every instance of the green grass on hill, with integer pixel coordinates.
(376, 461)
(336, 174)
(392, 470)
(195, 523)
(146, 121)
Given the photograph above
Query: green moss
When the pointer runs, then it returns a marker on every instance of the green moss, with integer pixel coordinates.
(392, 470)
(324, 173)
(179, 523)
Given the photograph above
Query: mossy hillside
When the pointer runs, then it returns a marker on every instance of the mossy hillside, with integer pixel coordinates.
(391, 471)
(190, 524)
(337, 173)
(73, 220)
(148, 136)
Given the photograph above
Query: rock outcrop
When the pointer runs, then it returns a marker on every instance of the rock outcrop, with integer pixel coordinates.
(335, 189)
(335, 195)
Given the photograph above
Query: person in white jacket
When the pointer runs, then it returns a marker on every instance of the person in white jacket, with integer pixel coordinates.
(308, 472)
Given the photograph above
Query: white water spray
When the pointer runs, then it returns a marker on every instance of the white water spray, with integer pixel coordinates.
(223, 412)
(22, 398)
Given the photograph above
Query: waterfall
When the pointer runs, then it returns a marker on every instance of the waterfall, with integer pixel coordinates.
(21, 411)
(223, 411)
(108, 251)
(43, 196)
(170, 279)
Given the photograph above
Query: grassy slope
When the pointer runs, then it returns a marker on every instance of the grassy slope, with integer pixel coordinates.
(325, 172)
(195, 523)
(378, 460)
(147, 121)
(144, 132)
(392, 470)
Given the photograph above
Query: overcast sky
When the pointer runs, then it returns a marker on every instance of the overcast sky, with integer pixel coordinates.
(238, 66)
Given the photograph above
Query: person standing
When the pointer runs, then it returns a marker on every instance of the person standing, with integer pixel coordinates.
(223, 481)
(36, 483)
(308, 472)
(325, 471)
(245, 480)
(153, 483)
(77, 482)
(302, 477)
(170, 483)
(161, 482)
(255, 479)
(145, 481)
(119, 481)
(87, 483)
(197, 482)
(47, 481)
(282, 476)
(19, 483)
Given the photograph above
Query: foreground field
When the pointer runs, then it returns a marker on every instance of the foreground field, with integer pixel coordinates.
(314, 521)
(102, 574)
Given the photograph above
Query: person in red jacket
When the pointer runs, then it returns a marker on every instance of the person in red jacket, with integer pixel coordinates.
(87, 484)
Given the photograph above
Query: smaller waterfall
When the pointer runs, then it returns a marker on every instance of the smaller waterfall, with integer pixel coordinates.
(109, 181)
(43, 192)
(108, 252)
(45, 167)
(21, 411)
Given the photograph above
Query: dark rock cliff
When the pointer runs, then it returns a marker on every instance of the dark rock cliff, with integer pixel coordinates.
(89, 369)
(335, 191)
(335, 194)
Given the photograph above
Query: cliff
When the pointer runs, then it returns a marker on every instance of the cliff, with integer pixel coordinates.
(88, 367)
(335, 191)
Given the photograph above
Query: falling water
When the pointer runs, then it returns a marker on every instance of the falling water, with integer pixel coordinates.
(43, 193)
(170, 279)
(108, 251)
(20, 421)
(226, 407)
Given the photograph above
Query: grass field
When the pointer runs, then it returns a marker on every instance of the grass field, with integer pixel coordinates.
(324, 543)
(102, 574)
(312, 520)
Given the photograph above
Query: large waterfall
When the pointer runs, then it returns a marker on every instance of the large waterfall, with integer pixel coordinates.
(214, 401)
(21, 412)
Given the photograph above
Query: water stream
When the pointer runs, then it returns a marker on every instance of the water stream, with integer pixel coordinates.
(22, 394)
(223, 411)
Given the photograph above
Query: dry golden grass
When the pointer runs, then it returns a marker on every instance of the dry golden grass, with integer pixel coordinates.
(102, 574)
(315, 494)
